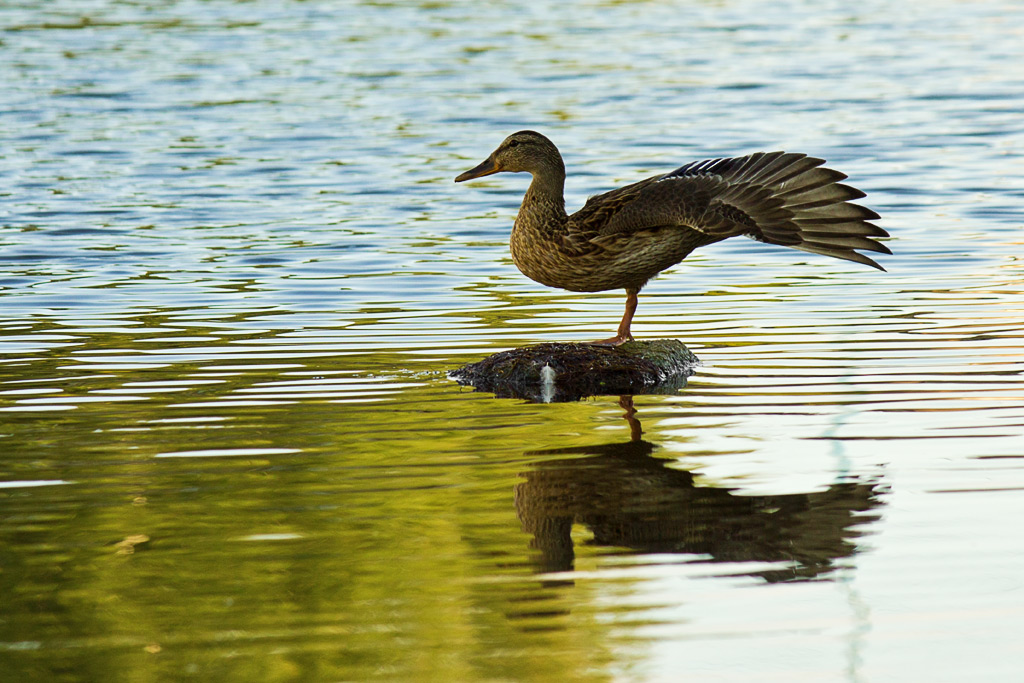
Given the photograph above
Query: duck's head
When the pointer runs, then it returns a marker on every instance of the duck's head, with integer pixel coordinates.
(523, 151)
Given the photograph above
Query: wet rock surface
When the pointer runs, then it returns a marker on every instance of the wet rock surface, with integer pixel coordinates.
(571, 371)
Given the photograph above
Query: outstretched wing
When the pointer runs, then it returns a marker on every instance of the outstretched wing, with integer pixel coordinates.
(775, 197)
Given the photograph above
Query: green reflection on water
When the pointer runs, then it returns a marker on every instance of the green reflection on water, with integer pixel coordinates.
(379, 539)
(320, 521)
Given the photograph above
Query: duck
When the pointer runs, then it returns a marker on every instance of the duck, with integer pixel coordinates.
(623, 238)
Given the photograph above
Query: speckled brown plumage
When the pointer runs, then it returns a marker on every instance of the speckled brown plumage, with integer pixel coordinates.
(623, 238)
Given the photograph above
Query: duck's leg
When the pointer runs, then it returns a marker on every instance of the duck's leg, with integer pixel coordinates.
(623, 335)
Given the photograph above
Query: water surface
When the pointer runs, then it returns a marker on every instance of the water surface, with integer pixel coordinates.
(235, 272)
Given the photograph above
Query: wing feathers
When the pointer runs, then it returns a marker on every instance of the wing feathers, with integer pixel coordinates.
(775, 197)
(846, 255)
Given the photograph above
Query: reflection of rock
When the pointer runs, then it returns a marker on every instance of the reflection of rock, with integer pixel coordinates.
(568, 372)
(631, 500)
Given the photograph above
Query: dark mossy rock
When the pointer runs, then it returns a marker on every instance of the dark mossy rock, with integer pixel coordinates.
(569, 372)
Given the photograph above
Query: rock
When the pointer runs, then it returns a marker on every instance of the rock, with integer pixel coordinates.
(569, 372)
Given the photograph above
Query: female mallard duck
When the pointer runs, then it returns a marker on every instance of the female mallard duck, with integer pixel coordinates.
(623, 238)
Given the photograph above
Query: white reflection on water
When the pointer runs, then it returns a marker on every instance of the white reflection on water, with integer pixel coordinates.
(228, 452)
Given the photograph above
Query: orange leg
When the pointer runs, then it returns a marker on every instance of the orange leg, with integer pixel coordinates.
(623, 335)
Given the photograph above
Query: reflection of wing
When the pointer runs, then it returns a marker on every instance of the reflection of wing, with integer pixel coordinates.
(629, 499)
(772, 197)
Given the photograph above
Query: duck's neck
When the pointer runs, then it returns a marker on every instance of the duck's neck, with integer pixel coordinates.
(543, 209)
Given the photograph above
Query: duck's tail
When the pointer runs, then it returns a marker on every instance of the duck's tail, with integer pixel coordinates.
(789, 199)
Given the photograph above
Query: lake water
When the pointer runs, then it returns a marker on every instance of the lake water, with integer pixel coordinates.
(234, 272)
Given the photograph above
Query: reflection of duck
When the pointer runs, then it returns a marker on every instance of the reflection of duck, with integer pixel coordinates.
(631, 500)
(623, 238)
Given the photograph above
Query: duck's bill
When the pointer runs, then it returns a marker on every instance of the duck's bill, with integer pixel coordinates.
(486, 168)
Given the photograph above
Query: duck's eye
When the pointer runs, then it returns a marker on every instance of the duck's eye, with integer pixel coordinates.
(513, 143)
